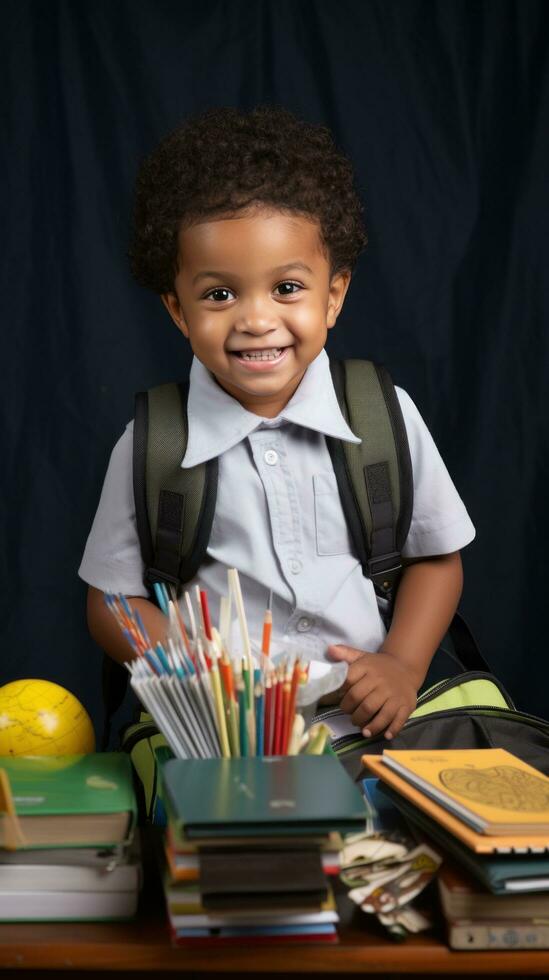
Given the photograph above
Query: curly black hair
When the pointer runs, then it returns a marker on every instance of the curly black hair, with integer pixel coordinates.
(225, 161)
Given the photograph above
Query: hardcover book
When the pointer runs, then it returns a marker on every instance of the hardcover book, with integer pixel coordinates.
(64, 801)
(260, 796)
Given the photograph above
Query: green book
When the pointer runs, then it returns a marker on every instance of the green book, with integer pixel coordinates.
(296, 795)
(71, 801)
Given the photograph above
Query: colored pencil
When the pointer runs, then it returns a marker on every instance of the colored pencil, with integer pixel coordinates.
(220, 711)
(267, 627)
(259, 717)
(296, 735)
(205, 614)
(291, 706)
(318, 737)
(242, 708)
(286, 691)
(268, 714)
(278, 709)
(160, 598)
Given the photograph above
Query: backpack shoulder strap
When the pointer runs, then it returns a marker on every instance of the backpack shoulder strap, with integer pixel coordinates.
(174, 506)
(374, 478)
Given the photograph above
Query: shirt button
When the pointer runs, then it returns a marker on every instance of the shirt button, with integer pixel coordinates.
(295, 565)
(271, 457)
(304, 624)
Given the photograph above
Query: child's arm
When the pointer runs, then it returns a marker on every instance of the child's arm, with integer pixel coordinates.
(380, 690)
(106, 631)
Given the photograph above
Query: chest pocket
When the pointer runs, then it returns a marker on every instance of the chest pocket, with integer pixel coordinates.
(332, 534)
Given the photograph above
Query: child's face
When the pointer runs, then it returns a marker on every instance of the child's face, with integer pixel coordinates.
(255, 283)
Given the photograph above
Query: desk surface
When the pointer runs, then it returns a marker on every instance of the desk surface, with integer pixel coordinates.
(144, 945)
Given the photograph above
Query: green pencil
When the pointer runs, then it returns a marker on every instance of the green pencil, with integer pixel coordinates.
(242, 711)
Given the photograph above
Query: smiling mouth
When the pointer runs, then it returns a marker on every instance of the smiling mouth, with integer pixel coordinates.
(265, 354)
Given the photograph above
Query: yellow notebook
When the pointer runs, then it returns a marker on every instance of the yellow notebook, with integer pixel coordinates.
(480, 843)
(491, 790)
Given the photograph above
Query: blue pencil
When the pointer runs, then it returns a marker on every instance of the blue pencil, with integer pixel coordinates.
(160, 597)
(141, 627)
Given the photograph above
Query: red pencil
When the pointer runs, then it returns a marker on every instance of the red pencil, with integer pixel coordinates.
(206, 614)
(267, 745)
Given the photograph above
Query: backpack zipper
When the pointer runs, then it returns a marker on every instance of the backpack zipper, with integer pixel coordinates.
(348, 742)
(472, 675)
(432, 692)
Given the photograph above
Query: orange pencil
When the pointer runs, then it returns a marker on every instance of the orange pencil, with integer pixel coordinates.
(267, 627)
(226, 672)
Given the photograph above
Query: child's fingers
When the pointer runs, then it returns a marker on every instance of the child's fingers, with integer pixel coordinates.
(398, 721)
(360, 664)
(368, 709)
(357, 694)
(384, 717)
(339, 651)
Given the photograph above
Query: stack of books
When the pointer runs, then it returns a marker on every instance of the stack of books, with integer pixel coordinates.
(489, 813)
(67, 847)
(251, 844)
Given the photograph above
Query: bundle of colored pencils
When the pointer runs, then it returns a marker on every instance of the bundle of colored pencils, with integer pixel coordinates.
(205, 701)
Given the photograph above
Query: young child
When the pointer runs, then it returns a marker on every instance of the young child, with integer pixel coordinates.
(248, 227)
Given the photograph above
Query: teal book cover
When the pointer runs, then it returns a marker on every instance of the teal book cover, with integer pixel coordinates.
(257, 796)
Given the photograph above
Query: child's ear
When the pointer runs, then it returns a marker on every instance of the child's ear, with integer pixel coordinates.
(173, 306)
(339, 285)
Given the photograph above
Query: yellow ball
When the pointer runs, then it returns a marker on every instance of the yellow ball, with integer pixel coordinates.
(42, 718)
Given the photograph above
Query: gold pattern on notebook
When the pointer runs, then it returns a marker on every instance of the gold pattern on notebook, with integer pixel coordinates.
(506, 787)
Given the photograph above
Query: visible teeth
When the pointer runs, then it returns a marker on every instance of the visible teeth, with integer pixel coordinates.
(262, 355)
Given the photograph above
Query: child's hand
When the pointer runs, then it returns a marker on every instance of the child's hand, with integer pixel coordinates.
(379, 692)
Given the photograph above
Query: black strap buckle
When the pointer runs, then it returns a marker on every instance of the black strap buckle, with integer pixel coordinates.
(385, 570)
(152, 575)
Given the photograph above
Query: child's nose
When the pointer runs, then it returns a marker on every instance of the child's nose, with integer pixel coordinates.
(255, 319)
(256, 325)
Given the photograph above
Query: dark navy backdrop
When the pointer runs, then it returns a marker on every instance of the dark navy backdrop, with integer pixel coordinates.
(443, 107)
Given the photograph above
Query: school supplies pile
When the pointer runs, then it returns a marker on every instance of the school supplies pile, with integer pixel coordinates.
(67, 843)
(386, 869)
(251, 844)
(208, 702)
(488, 812)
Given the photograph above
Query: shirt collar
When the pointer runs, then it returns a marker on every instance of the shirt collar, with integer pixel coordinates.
(217, 421)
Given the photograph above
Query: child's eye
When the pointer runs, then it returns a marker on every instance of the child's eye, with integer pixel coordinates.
(288, 288)
(219, 294)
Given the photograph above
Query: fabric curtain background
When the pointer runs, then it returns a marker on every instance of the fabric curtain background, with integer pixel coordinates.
(444, 109)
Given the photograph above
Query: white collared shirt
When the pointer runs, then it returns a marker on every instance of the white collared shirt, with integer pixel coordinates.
(278, 516)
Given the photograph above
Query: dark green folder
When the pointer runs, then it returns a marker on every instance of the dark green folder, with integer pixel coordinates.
(303, 794)
(527, 872)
